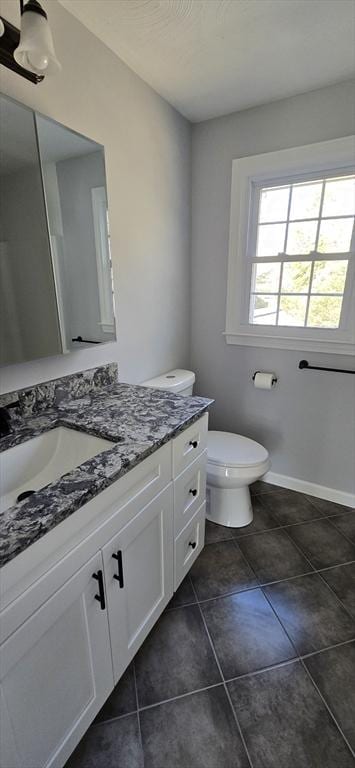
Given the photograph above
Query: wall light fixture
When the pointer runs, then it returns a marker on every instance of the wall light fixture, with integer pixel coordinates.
(29, 51)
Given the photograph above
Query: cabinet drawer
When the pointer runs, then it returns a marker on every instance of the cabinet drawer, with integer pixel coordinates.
(189, 544)
(189, 492)
(189, 444)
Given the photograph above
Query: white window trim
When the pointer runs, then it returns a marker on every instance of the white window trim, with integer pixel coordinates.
(103, 259)
(252, 171)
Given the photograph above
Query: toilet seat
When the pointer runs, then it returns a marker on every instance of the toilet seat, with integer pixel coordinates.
(228, 450)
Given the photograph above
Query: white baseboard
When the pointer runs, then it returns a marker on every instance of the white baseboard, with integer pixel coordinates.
(313, 489)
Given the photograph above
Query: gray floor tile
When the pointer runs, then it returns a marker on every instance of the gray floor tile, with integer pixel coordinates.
(285, 723)
(214, 532)
(262, 520)
(246, 633)
(183, 596)
(175, 658)
(334, 673)
(345, 524)
(273, 556)
(110, 745)
(342, 581)
(323, 544)
(122, 699)
(197, 731)
(220, 569)
(311, 615)
(290, 507)
(260, 486)
(327, 507)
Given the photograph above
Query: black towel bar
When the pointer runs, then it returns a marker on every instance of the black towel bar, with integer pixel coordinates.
(305, 364)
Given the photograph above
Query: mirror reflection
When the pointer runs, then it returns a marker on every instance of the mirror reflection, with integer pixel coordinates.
(56, 290)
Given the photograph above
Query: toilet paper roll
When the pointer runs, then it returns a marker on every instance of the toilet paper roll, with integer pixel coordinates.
(264, 380)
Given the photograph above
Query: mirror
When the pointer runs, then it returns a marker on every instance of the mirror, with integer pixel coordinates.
(56, 291)
(29, 323)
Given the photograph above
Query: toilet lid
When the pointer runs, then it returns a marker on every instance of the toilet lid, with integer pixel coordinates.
(230, 450)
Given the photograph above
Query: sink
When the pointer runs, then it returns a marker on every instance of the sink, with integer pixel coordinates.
(37, 462)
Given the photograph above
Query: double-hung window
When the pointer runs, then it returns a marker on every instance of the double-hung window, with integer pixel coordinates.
(292, 249)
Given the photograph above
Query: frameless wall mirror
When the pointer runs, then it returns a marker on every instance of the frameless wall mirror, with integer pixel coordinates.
(56, 287)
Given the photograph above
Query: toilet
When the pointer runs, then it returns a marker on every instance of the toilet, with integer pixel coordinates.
(233, 461)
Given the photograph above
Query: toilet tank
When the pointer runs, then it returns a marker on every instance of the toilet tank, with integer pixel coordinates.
(178, 381)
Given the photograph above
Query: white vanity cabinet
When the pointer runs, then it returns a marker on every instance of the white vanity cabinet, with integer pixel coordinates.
(139, 577)
(56, 673)
(96, 585)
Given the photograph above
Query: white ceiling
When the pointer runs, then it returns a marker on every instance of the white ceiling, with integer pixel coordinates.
(212, 57)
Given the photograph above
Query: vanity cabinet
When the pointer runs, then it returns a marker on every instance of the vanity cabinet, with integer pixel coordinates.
(72, 631)
(138, 566)
(56, 672)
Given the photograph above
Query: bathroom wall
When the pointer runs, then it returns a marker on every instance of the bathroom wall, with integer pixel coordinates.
(308, 421)
(147, 146)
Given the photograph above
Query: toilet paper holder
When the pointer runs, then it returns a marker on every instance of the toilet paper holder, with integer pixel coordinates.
(273, 380)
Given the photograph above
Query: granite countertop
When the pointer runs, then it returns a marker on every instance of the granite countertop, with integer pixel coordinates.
(137, 419)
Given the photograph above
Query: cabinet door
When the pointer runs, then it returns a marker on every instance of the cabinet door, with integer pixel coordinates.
(56, 672)
(139, 577)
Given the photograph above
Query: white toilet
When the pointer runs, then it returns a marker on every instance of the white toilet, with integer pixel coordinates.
(233, 463)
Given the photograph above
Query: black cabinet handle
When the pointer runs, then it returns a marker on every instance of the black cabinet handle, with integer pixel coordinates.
(193, 491)
(101, 596)
(119, 575)
(192, 544)
(193, 443)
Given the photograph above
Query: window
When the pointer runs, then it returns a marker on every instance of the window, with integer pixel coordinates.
(291, 260)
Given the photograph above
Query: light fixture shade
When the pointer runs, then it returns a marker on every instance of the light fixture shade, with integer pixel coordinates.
(36, 50)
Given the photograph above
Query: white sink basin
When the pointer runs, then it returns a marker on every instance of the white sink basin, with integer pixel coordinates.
(37, 462)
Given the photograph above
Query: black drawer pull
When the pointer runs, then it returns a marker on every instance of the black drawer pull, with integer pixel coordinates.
(193, 443)
(193, 491)
(101, 596)
(192, 544)
(119, 575)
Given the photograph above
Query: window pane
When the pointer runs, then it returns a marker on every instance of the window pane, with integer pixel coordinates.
(305, 201)
(335, 235)
(324, 311)
(296, 276)
(271, 239)
(263, 309)
(301, 237)
(274, 204)
(266, 277)
(292, 310)
(339, 197)
(329, 276)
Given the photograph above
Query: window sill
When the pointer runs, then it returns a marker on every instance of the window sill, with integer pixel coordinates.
(284, 342)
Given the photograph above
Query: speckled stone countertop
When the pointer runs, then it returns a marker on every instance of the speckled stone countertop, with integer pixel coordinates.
(137, 419)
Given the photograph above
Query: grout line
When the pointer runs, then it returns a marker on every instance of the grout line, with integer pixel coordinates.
(112, 719)
(327, 707)
(177, 607)
(301, 659)
(334, 525)
(234, 714)
(320, 574)
(337, 565)
(328, 648)
(253, 673)
(181, 696)
(297, 546)
(138, 716)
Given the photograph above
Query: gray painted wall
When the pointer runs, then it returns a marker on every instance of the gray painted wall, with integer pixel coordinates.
(308, 421)
(147, 148)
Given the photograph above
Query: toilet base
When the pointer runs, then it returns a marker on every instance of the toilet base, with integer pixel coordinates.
(229, 506)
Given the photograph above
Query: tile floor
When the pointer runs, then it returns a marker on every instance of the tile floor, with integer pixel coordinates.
(252, 665)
